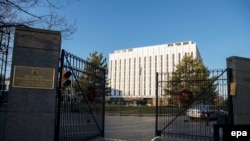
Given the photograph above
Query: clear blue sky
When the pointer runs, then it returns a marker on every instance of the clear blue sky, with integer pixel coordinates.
(221, 28)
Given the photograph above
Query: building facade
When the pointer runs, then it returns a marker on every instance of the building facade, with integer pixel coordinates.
(132, 71)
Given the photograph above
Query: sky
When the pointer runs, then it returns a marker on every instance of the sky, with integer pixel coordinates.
(221, 28)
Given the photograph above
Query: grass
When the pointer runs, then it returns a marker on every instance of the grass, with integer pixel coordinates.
(123, 109)
(136, 110)
(129, 110)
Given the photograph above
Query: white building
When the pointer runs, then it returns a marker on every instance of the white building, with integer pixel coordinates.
(132, 71)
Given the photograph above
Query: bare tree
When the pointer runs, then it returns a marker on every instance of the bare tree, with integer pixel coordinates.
(36, 13)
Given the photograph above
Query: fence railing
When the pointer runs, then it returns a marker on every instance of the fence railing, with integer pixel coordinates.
(80, 114)
(189, 104)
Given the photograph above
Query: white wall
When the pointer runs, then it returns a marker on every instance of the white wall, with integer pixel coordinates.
(131, 83)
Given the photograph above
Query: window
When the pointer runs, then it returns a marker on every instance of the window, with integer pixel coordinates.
(155, 63)
(129, 75)
(110, 71)
(150, 74)
(144, 74)
(178, 44)
(120, 64)
(173, 64)
(140, 71)
(161, 62)
(115, 78)
(144, 66)
(134, 76)
(179, 57)
(167, 62)
(124, 75)
(170, 45)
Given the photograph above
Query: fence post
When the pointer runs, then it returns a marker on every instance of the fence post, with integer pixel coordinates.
(59, 94)
(157, 133)
(230, 100)
(103, 104)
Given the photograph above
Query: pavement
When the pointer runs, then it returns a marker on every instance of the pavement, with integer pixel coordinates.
(125, 128)
(129, 128)
(134, 128)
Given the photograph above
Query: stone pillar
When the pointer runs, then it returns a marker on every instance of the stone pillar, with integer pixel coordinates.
(240, 88)
(31, 110)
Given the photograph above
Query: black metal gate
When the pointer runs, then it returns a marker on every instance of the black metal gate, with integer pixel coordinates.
(188, 105)
(81, 99)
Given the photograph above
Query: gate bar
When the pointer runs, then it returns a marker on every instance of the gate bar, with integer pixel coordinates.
(157, 132)
(59, 93)
(87, 103)
(230, 100)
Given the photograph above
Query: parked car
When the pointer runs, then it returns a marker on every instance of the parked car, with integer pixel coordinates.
(202, 111)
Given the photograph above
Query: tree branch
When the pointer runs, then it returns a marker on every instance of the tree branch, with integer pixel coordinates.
(21, 9)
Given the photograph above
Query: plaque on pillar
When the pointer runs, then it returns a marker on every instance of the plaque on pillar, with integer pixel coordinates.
(33, 77)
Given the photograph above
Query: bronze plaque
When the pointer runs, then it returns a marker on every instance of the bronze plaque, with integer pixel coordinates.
(33, 77)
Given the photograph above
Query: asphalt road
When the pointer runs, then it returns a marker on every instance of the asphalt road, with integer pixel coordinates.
(129, 128)
(142, 128)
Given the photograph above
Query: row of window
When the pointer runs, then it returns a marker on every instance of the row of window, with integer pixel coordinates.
(145, 62)
(169, 45)
(178, 44)
(117, 72)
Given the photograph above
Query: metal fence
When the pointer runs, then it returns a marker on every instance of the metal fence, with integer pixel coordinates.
(188, 105)
(80, 114)
(6, 39)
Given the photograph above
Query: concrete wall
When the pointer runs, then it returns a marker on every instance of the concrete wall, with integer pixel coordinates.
(31, 110)
(240, 92)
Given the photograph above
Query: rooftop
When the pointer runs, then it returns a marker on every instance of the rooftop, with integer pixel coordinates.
(153, 46)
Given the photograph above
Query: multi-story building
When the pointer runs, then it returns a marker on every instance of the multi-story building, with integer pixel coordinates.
(132, 71)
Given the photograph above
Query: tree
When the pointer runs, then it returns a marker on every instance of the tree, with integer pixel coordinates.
(191, 74)
(94, 73)
(107, 88)
(2, 83)
(98, 60)
(21, 13)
